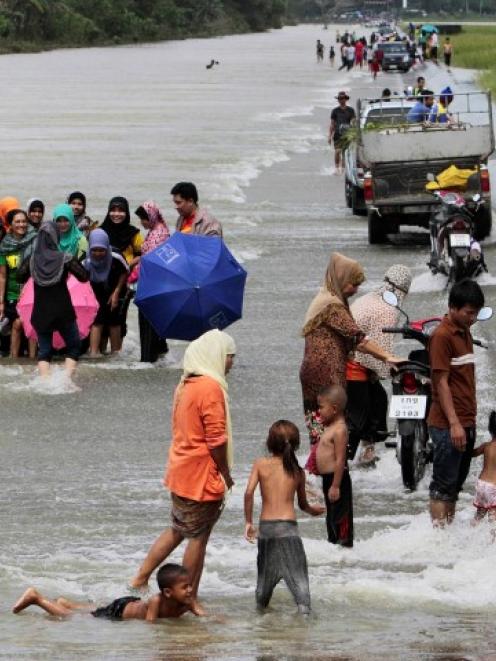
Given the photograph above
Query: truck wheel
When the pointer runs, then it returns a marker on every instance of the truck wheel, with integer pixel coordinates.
(358, 202)
(483, 221)
(347, 193)
(413, 456)
(377, 228)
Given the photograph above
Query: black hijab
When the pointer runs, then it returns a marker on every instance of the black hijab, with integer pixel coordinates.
(77, 195)
(119, 234)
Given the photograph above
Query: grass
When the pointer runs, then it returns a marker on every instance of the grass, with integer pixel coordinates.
(475, 48)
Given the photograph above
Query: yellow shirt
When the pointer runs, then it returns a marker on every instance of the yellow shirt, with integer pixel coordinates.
(134, 248)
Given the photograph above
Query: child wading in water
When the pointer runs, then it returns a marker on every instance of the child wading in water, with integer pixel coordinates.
(175, 598)
(280, 550)
(485, 491)
(332, 465)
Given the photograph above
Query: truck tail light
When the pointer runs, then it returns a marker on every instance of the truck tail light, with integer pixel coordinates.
(368, 188)
(484, 179)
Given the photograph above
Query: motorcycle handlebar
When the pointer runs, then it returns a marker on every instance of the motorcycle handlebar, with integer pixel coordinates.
(394, 329)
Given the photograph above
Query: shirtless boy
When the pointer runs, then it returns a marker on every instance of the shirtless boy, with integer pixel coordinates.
(173, 600)
(332, 465)
(485, 491)
(280, 549)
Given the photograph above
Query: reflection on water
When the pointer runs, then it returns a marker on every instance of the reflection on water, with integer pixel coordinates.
(81, 471)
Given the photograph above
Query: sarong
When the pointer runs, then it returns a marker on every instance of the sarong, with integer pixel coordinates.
(281, 556)
(339, 517)
(192, 518)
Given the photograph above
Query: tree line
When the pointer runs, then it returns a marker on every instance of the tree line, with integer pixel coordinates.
(90, 22)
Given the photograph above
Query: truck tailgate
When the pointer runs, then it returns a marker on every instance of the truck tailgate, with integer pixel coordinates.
(405, 185)
(416, 143)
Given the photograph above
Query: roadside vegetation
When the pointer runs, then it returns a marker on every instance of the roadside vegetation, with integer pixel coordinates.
(475, 48)
(27, 25)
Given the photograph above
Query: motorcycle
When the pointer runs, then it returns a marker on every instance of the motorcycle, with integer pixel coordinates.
(454, 251)
(411, 397)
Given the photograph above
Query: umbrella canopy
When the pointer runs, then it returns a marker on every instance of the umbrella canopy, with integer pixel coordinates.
(190, 285)
(429, 28)
(82, 297)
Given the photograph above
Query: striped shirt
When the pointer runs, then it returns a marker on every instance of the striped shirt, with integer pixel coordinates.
(451, 350)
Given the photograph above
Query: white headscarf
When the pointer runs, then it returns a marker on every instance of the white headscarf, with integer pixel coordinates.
(206, 356)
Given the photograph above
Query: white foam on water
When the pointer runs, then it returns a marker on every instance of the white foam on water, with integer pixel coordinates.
(486, 280)
(299, 111)
(58, 382)
(247, 255)
(14, 370)
(426, 282)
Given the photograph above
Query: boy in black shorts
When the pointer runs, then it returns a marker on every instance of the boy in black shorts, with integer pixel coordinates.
(173, 600)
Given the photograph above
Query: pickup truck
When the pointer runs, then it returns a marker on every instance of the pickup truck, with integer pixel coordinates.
(375, 114)
(395, 55)
(398, 161)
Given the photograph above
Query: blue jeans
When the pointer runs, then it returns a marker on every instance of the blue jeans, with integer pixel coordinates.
(70, 335)
(450, 466)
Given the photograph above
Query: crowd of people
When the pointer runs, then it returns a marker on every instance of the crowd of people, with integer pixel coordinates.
(105, 255)
(358, 52)
(345, 357)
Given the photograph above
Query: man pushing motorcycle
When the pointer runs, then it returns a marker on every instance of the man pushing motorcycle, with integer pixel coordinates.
(452, 415)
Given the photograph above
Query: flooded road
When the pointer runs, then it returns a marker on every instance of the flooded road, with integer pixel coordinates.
(81, 472)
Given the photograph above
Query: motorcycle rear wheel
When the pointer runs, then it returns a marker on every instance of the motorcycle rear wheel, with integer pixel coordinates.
(413, 456)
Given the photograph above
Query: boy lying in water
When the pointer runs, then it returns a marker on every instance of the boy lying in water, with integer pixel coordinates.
(173, 600)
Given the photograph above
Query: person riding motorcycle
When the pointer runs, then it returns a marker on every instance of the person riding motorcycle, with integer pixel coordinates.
(367, 399)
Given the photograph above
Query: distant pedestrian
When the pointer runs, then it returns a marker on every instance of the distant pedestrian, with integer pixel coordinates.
(332, 55)
(320, 50)
(350, 57)
(433, 43)
(447, 52)
(375, 65)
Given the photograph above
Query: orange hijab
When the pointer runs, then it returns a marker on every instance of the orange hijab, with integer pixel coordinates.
(6, 205)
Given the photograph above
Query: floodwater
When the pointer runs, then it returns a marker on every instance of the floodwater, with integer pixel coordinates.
(81, 496)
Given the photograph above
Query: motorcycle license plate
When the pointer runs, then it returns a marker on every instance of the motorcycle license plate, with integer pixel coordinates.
(408, 406)
(459, 240)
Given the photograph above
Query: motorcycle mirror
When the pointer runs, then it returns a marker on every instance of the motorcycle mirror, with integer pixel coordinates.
(390, 298)
(485, 314)
(476, 197)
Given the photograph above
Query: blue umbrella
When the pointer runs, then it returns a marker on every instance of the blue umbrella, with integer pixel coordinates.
(429, 28)
(190, 285)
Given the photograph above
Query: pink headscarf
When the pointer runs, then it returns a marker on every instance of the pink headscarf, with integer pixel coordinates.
(159, 232)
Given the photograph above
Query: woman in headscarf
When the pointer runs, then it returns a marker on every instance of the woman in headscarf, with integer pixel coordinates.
(77, 200)
(330, 334)
(15, 247)
(107, 272)
(124, 237)
(71, 239)
(200, 457)
(6, 205)
(158, 233)
(52, 308)
(36, 211)
(367, 399)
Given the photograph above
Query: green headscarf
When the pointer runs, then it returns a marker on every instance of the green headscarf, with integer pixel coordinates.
(68, 242)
